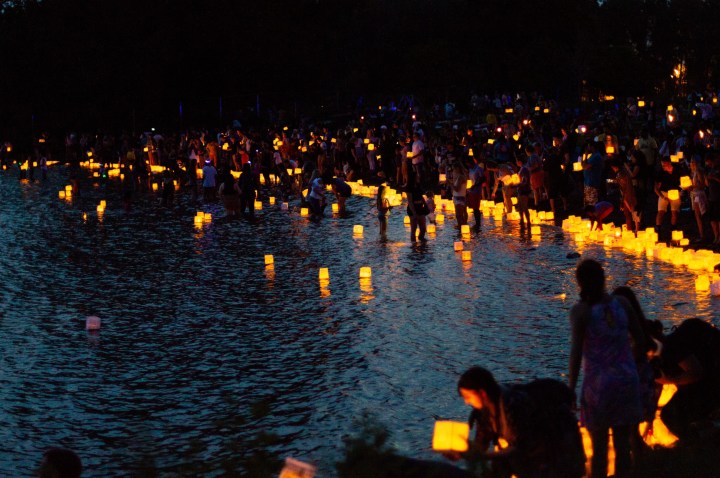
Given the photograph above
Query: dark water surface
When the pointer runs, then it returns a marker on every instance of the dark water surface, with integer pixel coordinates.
(202, 350)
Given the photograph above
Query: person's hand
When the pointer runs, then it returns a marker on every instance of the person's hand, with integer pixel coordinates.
(452, 455)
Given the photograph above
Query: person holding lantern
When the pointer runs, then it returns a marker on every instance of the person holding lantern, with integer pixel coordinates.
(602, 326)
(532, 425)
(668, 180)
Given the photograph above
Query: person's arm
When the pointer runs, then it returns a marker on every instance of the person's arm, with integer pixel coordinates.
(577, 323)
(658, 191)
(691, 372)
(635, 328)
(411, 205)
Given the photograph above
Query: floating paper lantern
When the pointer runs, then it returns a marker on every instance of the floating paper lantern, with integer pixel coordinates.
(324, 274)
(61, 194)
(465, 229)
(577, 166)
(271, 199)
(466, 256)
(450, 436)
(440, 218)
(100, 209)
(677, 235)
(674, 158)
(535, 230)
(673, 195)
(365, 273)
(92, 323)
(513, 200)
(406, 220)
(269, 259)
(684, 241)
(685, 182)
(458, 246)
(155, 186)
(304, 211)
(431, 229)
(357, 230)
(258, 205)
(549, 216)
(702, 283)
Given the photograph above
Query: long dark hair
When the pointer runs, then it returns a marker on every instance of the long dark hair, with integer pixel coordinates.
(591, 279)
(478, 378)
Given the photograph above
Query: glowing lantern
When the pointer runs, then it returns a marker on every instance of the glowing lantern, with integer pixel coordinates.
(491, 141)
(324, 274)
(61, 194)
(465, 230)
(297, 171)
(685, 182)
(471, 153)
(674, 158)
(365, 273)
(466, 256)
(535, 230)
(450, 436)
(409, 154)
(440, 218)
(546, 110)
(258, 205)
(272, 200)
(155, 186)
(357, 230)
(702, 283)
(673, 195)
(684, 241)
(443, 177)
(406, 220)
(680, 155)
(677, 235)
(269, 259)
(514, 200)
(297, 469)
(145, 149)
(371, 147)
(577, 166)
(641, 104)
(508, 110)
(304, 211)
(100, 209)
(431, 229)
(610, 150)
(458, 246)
(92, 323)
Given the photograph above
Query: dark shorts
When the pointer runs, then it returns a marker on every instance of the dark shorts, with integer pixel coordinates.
(472, 199)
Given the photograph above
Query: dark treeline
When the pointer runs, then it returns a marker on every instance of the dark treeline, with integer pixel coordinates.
(117, 63)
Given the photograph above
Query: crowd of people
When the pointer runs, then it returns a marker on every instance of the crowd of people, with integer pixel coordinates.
(518, 149)
(519, 146)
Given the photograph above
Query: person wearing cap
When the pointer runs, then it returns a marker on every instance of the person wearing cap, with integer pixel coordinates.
(209, 180)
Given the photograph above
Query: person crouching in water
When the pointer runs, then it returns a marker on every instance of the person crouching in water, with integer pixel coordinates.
(342, 191)
(532, 426)
(316, 197)
(598, 213)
